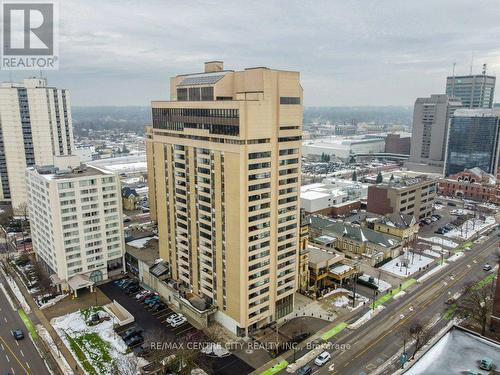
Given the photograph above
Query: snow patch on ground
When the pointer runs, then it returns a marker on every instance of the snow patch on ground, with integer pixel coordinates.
(342, 301)
(440, 241)
(74, 326)
(366, 317)
(470, 228)
(18, 294)
(431, 272)
(382, 285)
(335, 291)
(56, 353)
(399, 294)
(432, 253)
(455, 256)
(7, 295)
(406, 264)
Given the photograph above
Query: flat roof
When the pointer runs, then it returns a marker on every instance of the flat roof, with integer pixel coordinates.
(317, 255)
(457, 351)
(51, 173)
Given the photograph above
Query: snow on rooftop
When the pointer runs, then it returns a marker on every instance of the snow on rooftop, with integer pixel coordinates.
(140, 242)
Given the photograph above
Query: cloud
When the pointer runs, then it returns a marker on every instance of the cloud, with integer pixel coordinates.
(360, 52)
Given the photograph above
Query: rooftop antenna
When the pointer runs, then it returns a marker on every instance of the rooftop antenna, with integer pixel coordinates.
(453, 80)
(485, 68)
(471, 63)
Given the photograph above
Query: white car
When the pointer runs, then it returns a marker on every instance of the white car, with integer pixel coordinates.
(172, 317)
(178, 322)
(322, 359)
(487, 267)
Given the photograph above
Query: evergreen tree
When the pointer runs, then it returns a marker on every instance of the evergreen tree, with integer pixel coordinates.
(392, 177)
(354, 176)
(379, 178)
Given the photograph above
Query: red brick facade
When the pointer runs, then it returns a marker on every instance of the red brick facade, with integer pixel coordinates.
(378, 202)
(339, 210)
(471, 185)
(396, 145)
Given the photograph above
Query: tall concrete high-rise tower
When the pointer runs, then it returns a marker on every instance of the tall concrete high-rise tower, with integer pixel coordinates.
(224, 178)
(475, 91)
(431, 117)
(35, 126)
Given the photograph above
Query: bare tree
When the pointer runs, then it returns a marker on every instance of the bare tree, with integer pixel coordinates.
(5, 219)
(417, 331)
(22, 212)
(177, 357)
(476, 305)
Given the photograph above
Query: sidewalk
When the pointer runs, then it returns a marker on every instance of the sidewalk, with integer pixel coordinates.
(38, 317)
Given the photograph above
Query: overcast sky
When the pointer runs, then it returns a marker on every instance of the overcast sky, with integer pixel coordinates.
(357, 52)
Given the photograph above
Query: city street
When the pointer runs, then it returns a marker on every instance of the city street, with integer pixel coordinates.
(16, 357)
(377, 341)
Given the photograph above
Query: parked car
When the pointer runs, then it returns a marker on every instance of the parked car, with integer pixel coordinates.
(142, 293)
(437, 216)
(134, 341)
(154, 303)
(441, 230)
(18, 334)
(133, 289)
(305, 370)
(159, 306)
(452, 204)
(487, 267)
(131, 333)
(449, 226)
(178, 322)
(427, 220)
(322, 358)
(145, 297)
(129, 283)
(173, 316)
(120, 281)
(151, 299)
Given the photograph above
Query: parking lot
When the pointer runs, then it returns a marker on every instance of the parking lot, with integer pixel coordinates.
(155, 328)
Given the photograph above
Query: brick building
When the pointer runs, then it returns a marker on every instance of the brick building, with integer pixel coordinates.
(409, 195)
(398, 143)
(474, 184)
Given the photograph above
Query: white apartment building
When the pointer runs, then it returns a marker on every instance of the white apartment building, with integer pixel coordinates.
(76, 223)
(35, 125)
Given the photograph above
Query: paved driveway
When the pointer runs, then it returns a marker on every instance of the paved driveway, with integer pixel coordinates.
(153, 325)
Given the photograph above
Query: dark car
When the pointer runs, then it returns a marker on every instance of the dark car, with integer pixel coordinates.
(449, 226)
(134, 340)
(453, 204)
(129, 283)
(18, 334)
(131, 333)
(441, 230)
(305, 370)
(159, 306)
(142, 351)
(120, 281)
(437, 216)
(154, 303)
(133, 289)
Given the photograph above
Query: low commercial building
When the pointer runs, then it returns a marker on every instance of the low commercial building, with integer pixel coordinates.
(321, 264)
(474, 184)
(334, 197)
(409, 195)
(354, 240)
(76, 223)
(343, 147)
(398, 143)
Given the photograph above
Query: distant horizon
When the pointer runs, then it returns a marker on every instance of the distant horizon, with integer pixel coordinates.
(362, 53)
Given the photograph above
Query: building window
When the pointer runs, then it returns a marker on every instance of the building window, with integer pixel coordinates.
(289, 100)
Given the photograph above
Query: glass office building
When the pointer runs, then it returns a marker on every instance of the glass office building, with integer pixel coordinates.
(473, 141)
